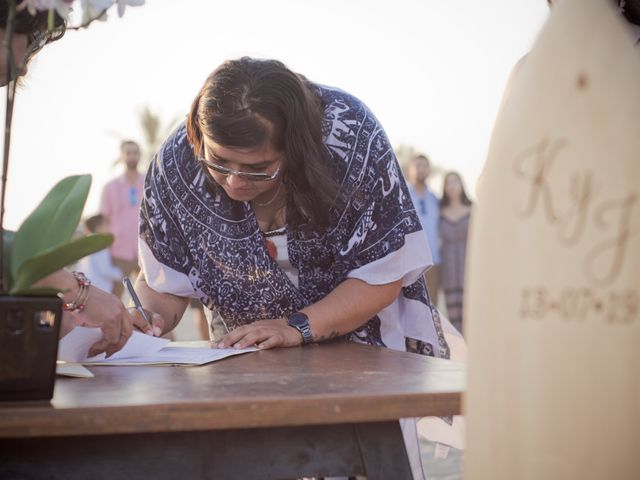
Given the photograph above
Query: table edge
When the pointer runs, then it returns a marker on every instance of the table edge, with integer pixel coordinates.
(48, 421)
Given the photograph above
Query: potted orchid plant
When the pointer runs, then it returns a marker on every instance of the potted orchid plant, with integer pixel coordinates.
(30, 317)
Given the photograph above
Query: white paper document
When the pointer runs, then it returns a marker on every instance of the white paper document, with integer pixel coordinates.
(72, 370)
(141, 349)
(171, 355)
(74, 346)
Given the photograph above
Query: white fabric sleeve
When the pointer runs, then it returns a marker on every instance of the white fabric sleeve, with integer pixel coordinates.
(406, 263)
(161, 278)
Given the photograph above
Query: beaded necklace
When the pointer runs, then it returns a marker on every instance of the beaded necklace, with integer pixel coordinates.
(271, 247)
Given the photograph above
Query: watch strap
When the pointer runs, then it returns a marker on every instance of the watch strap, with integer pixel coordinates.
(307, 336)
(300, 322)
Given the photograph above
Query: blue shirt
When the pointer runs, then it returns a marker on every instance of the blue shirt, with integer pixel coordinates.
(428, 210)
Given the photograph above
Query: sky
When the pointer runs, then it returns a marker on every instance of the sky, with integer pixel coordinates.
(432, 71)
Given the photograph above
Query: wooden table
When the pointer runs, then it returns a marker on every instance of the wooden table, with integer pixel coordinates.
(318, 410)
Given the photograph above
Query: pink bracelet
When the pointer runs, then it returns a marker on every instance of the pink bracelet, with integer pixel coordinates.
(78, 304)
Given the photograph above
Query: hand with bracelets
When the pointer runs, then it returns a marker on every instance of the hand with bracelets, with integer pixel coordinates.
(89, 306)
(78, 304)
(93, 307)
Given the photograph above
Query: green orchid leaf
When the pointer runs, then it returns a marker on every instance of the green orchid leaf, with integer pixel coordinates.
(37, 292)
(8, 237)
(55, 258)
(52, 223)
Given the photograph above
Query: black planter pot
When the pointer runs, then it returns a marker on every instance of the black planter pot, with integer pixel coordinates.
(29, 330)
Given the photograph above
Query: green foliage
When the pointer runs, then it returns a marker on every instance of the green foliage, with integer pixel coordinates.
(53, 222)
(43, 245)
(38, 292)
(49, 261)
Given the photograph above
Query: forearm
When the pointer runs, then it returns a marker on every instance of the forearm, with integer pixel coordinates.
(169, 307)
(348, 307)
(63, 280)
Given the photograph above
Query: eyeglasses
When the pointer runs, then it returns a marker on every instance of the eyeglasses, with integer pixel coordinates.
(252, 176)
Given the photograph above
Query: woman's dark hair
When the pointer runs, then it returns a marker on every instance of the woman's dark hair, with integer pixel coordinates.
(247, 102)
(445, 200)
(630, 10)
(36, 27)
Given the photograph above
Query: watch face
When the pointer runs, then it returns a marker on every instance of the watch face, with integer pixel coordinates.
(298, 319)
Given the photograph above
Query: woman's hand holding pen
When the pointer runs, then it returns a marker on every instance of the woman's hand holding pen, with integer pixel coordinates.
(155, 328)
(148, 322)
(163, 311)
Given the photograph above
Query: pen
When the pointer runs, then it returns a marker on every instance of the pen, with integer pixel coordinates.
(136, 301)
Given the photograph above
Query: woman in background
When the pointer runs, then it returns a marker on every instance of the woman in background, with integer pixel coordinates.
(455, 212)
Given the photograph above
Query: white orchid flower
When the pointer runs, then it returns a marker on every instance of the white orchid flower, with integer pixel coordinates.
(122, 4)
(95, 9)
(34, 5)
(63, 7)
(91, 9)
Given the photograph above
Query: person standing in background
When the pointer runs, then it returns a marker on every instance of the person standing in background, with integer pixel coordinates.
(455, 213)
(428, 209)
(121, 206)
(98, 266)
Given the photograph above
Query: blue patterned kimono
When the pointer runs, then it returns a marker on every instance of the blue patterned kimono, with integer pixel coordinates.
(197, 242)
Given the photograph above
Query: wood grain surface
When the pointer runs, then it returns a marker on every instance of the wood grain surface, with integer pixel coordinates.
(314, 385)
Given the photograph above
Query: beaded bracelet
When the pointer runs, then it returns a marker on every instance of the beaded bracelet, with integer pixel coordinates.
(78, 304)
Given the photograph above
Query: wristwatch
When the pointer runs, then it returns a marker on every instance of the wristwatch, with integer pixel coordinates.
(300, 322)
